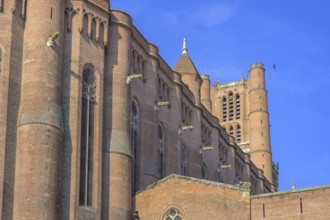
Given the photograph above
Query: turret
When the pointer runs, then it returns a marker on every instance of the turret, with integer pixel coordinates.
(260, 150)
(117, 70)
(206, 92)
(189, 73)
(40, 125)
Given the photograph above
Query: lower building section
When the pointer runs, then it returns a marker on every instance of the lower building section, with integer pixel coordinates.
(179, 197)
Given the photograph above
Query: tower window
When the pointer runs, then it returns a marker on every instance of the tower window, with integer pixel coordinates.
(134, 141)
(231, 106)
(238, 134)
(238, 107)
(231, 131)
(224, 109)
(87, 137)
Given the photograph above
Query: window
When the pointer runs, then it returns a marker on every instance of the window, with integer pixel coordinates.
(231, 131)
(173, 214)
(238, 107)
(224, 109)
(231, 106)
(161, 148)
(183, 161)
(238, 134)
(134, 141)
(87, 136)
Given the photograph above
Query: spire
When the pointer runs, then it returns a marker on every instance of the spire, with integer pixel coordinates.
(293, 187)
(184, 48)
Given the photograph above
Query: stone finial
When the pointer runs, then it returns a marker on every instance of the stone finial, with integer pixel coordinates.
(184, 48)
(293, 187)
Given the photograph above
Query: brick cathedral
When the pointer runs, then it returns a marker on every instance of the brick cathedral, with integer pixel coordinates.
(94, 124)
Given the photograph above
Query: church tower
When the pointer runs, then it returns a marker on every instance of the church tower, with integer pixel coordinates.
(259, 136)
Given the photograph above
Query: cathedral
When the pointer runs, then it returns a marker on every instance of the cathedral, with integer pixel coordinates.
(94, 124)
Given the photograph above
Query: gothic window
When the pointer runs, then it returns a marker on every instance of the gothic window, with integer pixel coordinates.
(134, 141)
(238, 107)
(183, 161)
(224, 109)
(231, 131)
(173, 214)
(183, 112)
(231, 106)
(87, 136)
(161, 149)
(238, 134)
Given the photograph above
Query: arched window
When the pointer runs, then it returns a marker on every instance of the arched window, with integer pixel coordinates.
(224, 109)
(173, 214)
(231, 106)
(238, 134)
(231, 131)
(238, 107)
(183, 161)
(134, 141)
(161, 149)
(87, 136)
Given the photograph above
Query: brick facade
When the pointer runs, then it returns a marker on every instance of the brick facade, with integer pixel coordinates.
(92, 114)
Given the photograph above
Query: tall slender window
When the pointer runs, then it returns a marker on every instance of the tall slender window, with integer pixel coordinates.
(183, 161)
(231, 131)
(87, 136)
(224, 109)
(134, 141)
(238, 107)
(231, 106)
(238, 133)
(161, 149)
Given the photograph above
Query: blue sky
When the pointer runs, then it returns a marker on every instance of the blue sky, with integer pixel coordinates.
(225, 37)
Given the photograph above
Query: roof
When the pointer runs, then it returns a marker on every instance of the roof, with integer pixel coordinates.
(185, 65)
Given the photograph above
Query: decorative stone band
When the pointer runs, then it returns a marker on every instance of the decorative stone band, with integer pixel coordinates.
(205, 76)
(257, 65)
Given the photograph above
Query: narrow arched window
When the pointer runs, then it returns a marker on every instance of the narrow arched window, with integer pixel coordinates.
(134, 134)
(238, 107)
(183, 161)
(173, 214)
(231, 131)
(161, 149)
(224, 109)
(238, 134)
(87, 136)
(231, 106)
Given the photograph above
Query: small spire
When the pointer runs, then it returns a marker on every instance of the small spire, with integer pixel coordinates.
(293, 187)
(184, 48)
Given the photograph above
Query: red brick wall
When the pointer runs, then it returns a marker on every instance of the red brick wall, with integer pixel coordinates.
(315, 203)
(194, 199)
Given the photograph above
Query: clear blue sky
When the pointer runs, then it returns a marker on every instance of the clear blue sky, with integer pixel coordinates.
(225, 37)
